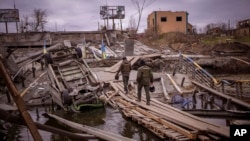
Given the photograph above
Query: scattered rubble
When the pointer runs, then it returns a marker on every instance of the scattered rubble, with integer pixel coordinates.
(73, 69)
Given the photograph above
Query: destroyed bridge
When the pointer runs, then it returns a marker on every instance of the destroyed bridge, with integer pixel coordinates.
(78, 74)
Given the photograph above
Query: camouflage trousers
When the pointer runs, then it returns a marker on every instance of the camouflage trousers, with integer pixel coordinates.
(146, 88)
(125, 83)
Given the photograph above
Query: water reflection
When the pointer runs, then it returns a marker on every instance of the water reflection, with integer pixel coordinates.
(90, 117)
(137, 132)
(106, 119)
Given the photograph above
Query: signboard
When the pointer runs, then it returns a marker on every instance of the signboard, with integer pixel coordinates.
(9, 15)
(112, 12)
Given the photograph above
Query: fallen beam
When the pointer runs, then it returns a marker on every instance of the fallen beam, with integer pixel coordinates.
(6, 116)
(19, 102)
(175, 85)
(94, 131)
(165, 93)
(38, 53)
(218, 114)
(236, 101)
(25, 90)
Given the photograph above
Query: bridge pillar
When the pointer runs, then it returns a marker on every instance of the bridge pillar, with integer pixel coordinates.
(129, 47)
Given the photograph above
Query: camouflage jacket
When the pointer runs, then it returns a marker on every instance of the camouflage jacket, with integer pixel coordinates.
(125, 68)
(144, 76)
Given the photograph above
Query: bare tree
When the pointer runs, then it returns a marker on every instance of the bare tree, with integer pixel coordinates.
(24, 23)
(194, 30)
(140, 5)
(222, 26)
(39, 19)
(34, 22)
(132, 24)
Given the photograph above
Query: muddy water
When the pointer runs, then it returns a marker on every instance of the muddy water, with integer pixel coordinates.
(106, 119)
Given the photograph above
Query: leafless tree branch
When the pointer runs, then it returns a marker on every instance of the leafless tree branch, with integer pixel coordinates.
(140, 5)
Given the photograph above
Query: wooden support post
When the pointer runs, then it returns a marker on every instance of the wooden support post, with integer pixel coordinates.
(182, 81)
(20, 103)
(33, 70)
(165, 93)
(174, 72)
(228, 104)
(6, 27)
(222, 87)
(240, 89)
(237, 89)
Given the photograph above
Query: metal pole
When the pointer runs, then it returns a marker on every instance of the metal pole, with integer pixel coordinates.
(16, 22)
(113, 19)
(121, 23)
(16, 28)
(6, 26)
(19, 102)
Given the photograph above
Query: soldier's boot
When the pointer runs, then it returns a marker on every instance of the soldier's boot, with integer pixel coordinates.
(148, 103)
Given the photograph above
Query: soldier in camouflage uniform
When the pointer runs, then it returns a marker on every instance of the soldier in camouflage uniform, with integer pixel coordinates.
(125, 69)
(144, 79)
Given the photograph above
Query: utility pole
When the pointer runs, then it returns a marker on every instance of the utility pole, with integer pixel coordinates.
(113, 19)
(16, 22)
(108, 22)
(98, 26)
(121, 23)
(6, 26)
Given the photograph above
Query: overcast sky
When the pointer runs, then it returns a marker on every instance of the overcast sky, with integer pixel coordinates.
(84, 15)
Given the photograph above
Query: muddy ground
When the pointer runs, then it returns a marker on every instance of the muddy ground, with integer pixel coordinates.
(197, 44)
(223, 50)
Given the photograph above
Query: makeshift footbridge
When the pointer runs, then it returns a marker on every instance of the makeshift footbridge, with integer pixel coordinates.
(163, 120)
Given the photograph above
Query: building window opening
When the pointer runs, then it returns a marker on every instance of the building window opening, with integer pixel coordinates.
(178, 19)
(163, 19)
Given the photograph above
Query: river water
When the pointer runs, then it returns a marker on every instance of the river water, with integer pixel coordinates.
(107, 119)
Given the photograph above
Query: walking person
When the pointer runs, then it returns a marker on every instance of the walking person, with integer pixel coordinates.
(144, 79)
(125, 69)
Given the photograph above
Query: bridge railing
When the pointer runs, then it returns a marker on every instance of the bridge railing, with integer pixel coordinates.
(236, 88)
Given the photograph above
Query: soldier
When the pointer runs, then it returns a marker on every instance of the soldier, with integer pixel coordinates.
(144, 79)
(125, 69)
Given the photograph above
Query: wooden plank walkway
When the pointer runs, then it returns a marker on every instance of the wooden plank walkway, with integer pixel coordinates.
(163, 120)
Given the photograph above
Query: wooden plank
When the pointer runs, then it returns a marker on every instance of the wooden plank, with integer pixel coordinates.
(26, 89)
(175, 85)
(164, 122)
(55, 78)
(68, 68)
(237, 101)
(90, 130)
(8, 107)
(165, 93)
(184, 119)
(132, 60)
(19, 102)
(6, 116)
